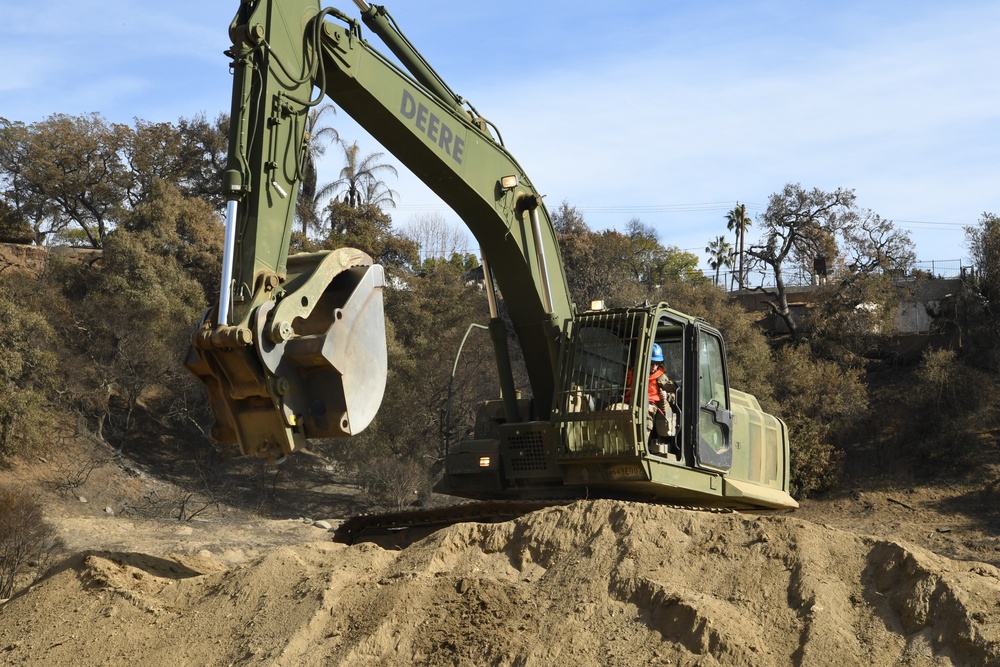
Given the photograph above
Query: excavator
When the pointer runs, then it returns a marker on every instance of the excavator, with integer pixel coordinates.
(295, 347)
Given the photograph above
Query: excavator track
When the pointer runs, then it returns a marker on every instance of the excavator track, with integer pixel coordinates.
(376, 527)
(399, 529)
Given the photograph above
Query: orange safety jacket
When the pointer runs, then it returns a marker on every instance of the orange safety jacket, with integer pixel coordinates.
(652, 390)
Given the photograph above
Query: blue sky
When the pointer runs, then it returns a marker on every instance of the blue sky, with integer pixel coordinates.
(666, 111)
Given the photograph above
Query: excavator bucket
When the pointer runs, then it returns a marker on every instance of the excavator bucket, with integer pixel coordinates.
(310, 363)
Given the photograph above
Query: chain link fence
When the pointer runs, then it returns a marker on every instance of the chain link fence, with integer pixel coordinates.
(799, 277)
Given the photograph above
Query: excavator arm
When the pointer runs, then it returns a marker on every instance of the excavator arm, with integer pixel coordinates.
(295, 347)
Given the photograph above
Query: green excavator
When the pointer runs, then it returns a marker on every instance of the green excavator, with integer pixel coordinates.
(295, 347)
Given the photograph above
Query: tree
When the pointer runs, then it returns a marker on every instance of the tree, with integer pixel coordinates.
(377, 193)
(798, 226)
(979, 306)
(622, 269)
(568, 220)
(66, 175)
(984, 249)
(856, 309)
(13, 227)
(594, 266)
(720, 254)
(359, 180)
(19, 221)
(307, 206)
(586, 276)
(824, 405)
(73, 178)
(152, 152)
(873, 244)
(368, 228)
(680, 266)
(191, 155)
(645, 256)
(140, 314)
(951, 404)
(206, 151)
(737, 222)
(436, 239)
(184, 229)
(126, 321)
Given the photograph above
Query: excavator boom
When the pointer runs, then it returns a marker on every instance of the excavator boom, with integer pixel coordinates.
(287, 57)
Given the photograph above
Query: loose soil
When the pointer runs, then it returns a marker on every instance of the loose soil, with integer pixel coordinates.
(882, 574)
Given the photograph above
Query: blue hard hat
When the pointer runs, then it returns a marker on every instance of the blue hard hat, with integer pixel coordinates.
(657, 353)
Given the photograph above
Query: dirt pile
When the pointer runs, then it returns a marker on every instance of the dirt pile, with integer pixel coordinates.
(594, 583)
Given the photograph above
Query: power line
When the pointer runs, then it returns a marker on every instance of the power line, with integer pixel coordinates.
(666, 208)
(927, 222)
(928, 225)
(657, 208)
(644, 208)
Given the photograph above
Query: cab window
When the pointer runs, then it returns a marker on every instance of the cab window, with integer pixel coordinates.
(712, 385)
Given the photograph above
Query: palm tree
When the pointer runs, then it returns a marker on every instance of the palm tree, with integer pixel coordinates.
(379, 194)
(310, 194)
(737, 221)
(359, 180)
(720, 254)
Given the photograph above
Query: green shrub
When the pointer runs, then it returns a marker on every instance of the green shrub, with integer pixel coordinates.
(27, 542)
(816, 464)
(823, 403)
(949, 403)
(27, 370)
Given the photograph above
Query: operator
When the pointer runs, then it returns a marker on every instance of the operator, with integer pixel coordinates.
(658, 389)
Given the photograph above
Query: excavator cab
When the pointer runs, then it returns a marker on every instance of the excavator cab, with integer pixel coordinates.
(716, 447)
(607, 362)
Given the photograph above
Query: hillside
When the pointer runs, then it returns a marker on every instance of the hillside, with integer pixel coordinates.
(174, 553)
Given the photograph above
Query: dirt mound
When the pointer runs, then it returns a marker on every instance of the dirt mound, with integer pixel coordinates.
(594, 583)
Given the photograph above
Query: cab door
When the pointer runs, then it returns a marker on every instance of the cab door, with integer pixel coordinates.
(714, 439)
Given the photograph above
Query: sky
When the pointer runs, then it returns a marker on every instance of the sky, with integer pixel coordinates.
(670, 112)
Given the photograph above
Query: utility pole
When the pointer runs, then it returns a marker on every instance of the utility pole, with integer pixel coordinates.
(743, 231)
